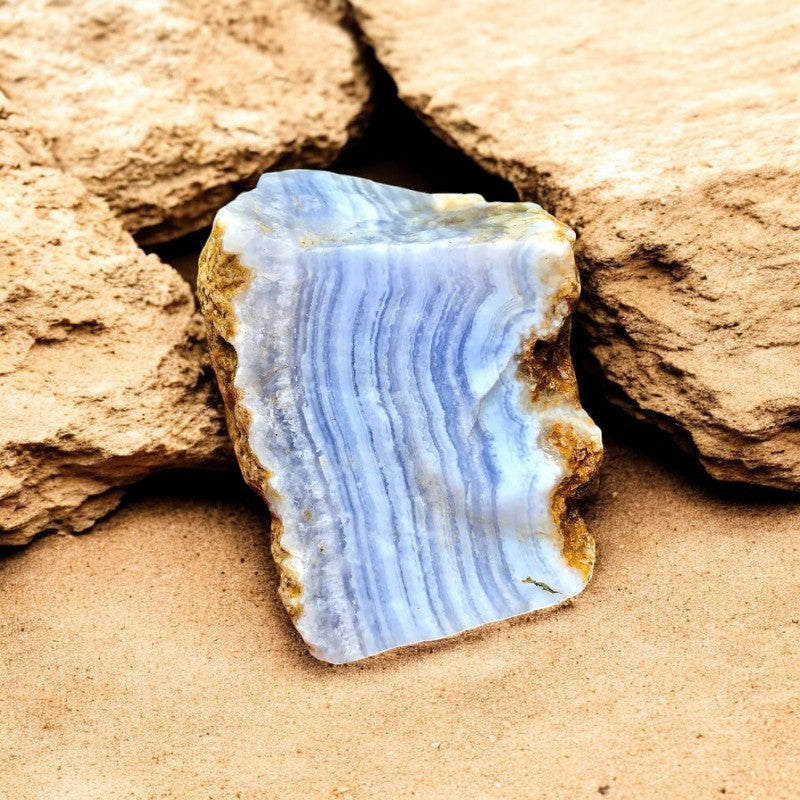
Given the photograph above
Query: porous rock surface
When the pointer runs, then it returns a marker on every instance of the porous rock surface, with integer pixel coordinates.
(168, 108)
(102, 376)
(666, 134)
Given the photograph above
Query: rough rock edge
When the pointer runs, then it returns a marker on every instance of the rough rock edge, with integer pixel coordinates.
(220, 276)
(71, 520)
(544, 365)
(307, 153)
(737, 457)
(154, 221)
(105, 481)
(98, 472)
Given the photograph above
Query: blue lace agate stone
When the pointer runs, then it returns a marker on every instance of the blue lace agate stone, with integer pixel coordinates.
(397, 381)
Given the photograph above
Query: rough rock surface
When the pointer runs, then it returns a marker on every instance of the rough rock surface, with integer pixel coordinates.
(101, 351)
(167, 108)
(666, 133)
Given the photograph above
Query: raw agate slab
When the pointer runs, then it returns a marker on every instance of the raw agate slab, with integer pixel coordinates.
(396, 375)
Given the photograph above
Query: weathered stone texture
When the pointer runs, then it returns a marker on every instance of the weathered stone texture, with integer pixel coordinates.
(102, 376)
(168, 108)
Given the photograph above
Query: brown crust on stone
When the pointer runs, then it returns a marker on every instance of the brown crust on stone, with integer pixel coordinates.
(546, 367)
(582, 458)
(220, 277)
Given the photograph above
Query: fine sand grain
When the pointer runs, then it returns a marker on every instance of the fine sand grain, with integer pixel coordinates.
(151, 659)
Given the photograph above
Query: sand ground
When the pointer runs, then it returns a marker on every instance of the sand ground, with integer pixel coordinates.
(151, 659)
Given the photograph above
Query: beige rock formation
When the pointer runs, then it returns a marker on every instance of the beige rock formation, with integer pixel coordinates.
(102, 376)
(167, 108)
(667, 134)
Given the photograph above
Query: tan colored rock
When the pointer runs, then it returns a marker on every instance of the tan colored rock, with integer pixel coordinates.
(667, 134)
(102, 376)
(168, 108)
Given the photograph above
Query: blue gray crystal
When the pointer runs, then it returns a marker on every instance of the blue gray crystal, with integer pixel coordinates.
(382, 408)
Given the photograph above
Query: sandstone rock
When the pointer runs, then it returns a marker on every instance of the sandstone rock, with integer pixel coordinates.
(666, 133)
(101, 351)
(168, 108)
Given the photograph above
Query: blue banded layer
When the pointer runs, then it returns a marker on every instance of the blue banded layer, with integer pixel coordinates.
(377, 346)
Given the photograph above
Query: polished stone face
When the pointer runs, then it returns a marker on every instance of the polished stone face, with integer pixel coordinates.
(403, 442)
